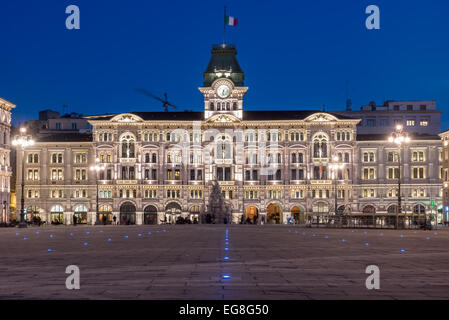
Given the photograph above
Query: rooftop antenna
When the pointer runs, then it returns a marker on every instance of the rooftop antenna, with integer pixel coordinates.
(348, 100)
(64, 106)
(324, 108)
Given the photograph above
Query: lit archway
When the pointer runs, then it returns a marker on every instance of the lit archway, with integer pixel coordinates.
(57, 214)
(172, 212)
(251, 215)
(194, 214)
(80, 214)
(105, 214)
(128, 213)
(298, 214)
(274, 214)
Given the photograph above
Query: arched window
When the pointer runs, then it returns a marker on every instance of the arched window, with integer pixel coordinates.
(320, 146)
(224, 148)
(211, 106)
(153, 158)
(419, 209)
(128, 147)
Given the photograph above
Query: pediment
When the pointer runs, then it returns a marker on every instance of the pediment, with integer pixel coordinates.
(223, 118)
(126, 118)
(321, 117)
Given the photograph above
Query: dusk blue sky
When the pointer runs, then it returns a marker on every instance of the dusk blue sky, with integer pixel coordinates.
(295, 54)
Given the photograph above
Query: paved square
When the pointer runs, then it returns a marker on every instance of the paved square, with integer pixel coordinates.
(187, 262)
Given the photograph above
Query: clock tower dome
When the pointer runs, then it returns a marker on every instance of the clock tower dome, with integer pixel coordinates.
(223, 87)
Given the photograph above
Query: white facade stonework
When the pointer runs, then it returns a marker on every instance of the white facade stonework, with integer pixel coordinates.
(271, 165)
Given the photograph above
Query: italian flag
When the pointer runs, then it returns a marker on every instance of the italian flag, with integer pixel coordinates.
(230, 21)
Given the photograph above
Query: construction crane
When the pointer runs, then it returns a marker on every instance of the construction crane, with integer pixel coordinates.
(165, 102)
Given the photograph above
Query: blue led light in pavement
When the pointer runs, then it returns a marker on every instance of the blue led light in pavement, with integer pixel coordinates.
(366, 244)
(428, 238)
(352, 231)
(139, 235)
(37, 232)
(226, 249)
(109, 240)
(343, 240)
(51, 236)
(49, 250)
(101, 231)
(326, 237)
(402, 236)
(313, 235)
(87, 232)
(71, 234)
(226, 242)
(25, 238)
(163, 230)
(226, 258)
(435, 233)
(85, 243)
(364, 233)
(226, 276)
(402, 250)
(17, 233)
(149, 233)
(126, 237)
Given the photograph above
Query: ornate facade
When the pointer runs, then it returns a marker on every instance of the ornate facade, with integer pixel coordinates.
(271, 165)
(5, 150)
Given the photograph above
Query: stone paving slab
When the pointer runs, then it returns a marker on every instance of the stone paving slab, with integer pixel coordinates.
(186, 262)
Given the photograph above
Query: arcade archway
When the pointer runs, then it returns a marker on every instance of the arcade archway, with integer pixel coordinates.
(128, 213)
(251, 215)
(172, 212)
(274, 214)
(298, 214)
(150, 215)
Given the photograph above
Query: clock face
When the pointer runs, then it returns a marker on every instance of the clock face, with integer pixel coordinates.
(223, 91)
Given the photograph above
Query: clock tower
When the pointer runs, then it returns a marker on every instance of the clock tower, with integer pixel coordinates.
(223, 88)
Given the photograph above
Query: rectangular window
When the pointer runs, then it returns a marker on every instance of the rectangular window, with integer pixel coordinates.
(418, 173)
(424, 123)
(410, 123)
(392, 173)
(369, 174)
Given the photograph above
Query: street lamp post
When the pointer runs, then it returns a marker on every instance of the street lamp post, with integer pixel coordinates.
(97, 168)
(398, 137)
(334, 167)
(21, 141)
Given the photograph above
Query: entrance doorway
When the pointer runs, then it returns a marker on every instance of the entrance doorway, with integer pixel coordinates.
(298, 214)
(172, 212)
(274, 214)
(150, 215)
(251, 215)
(128, 213)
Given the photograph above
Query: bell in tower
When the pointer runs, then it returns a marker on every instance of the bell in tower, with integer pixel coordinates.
(223, 87)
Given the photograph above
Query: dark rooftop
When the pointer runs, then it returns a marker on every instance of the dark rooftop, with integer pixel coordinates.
(247, 115)
(66, 137)
(384, 137)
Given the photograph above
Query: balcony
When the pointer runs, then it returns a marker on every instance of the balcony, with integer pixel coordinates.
(320, 182)
(127, 160)
(126, 181)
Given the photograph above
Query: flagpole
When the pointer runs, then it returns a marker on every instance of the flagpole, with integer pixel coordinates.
(224, 28)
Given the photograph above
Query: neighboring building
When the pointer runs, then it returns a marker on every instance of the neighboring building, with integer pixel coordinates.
(445, 174)
(271, 165)
(5, 167)
(52, 122)
(418, 117)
